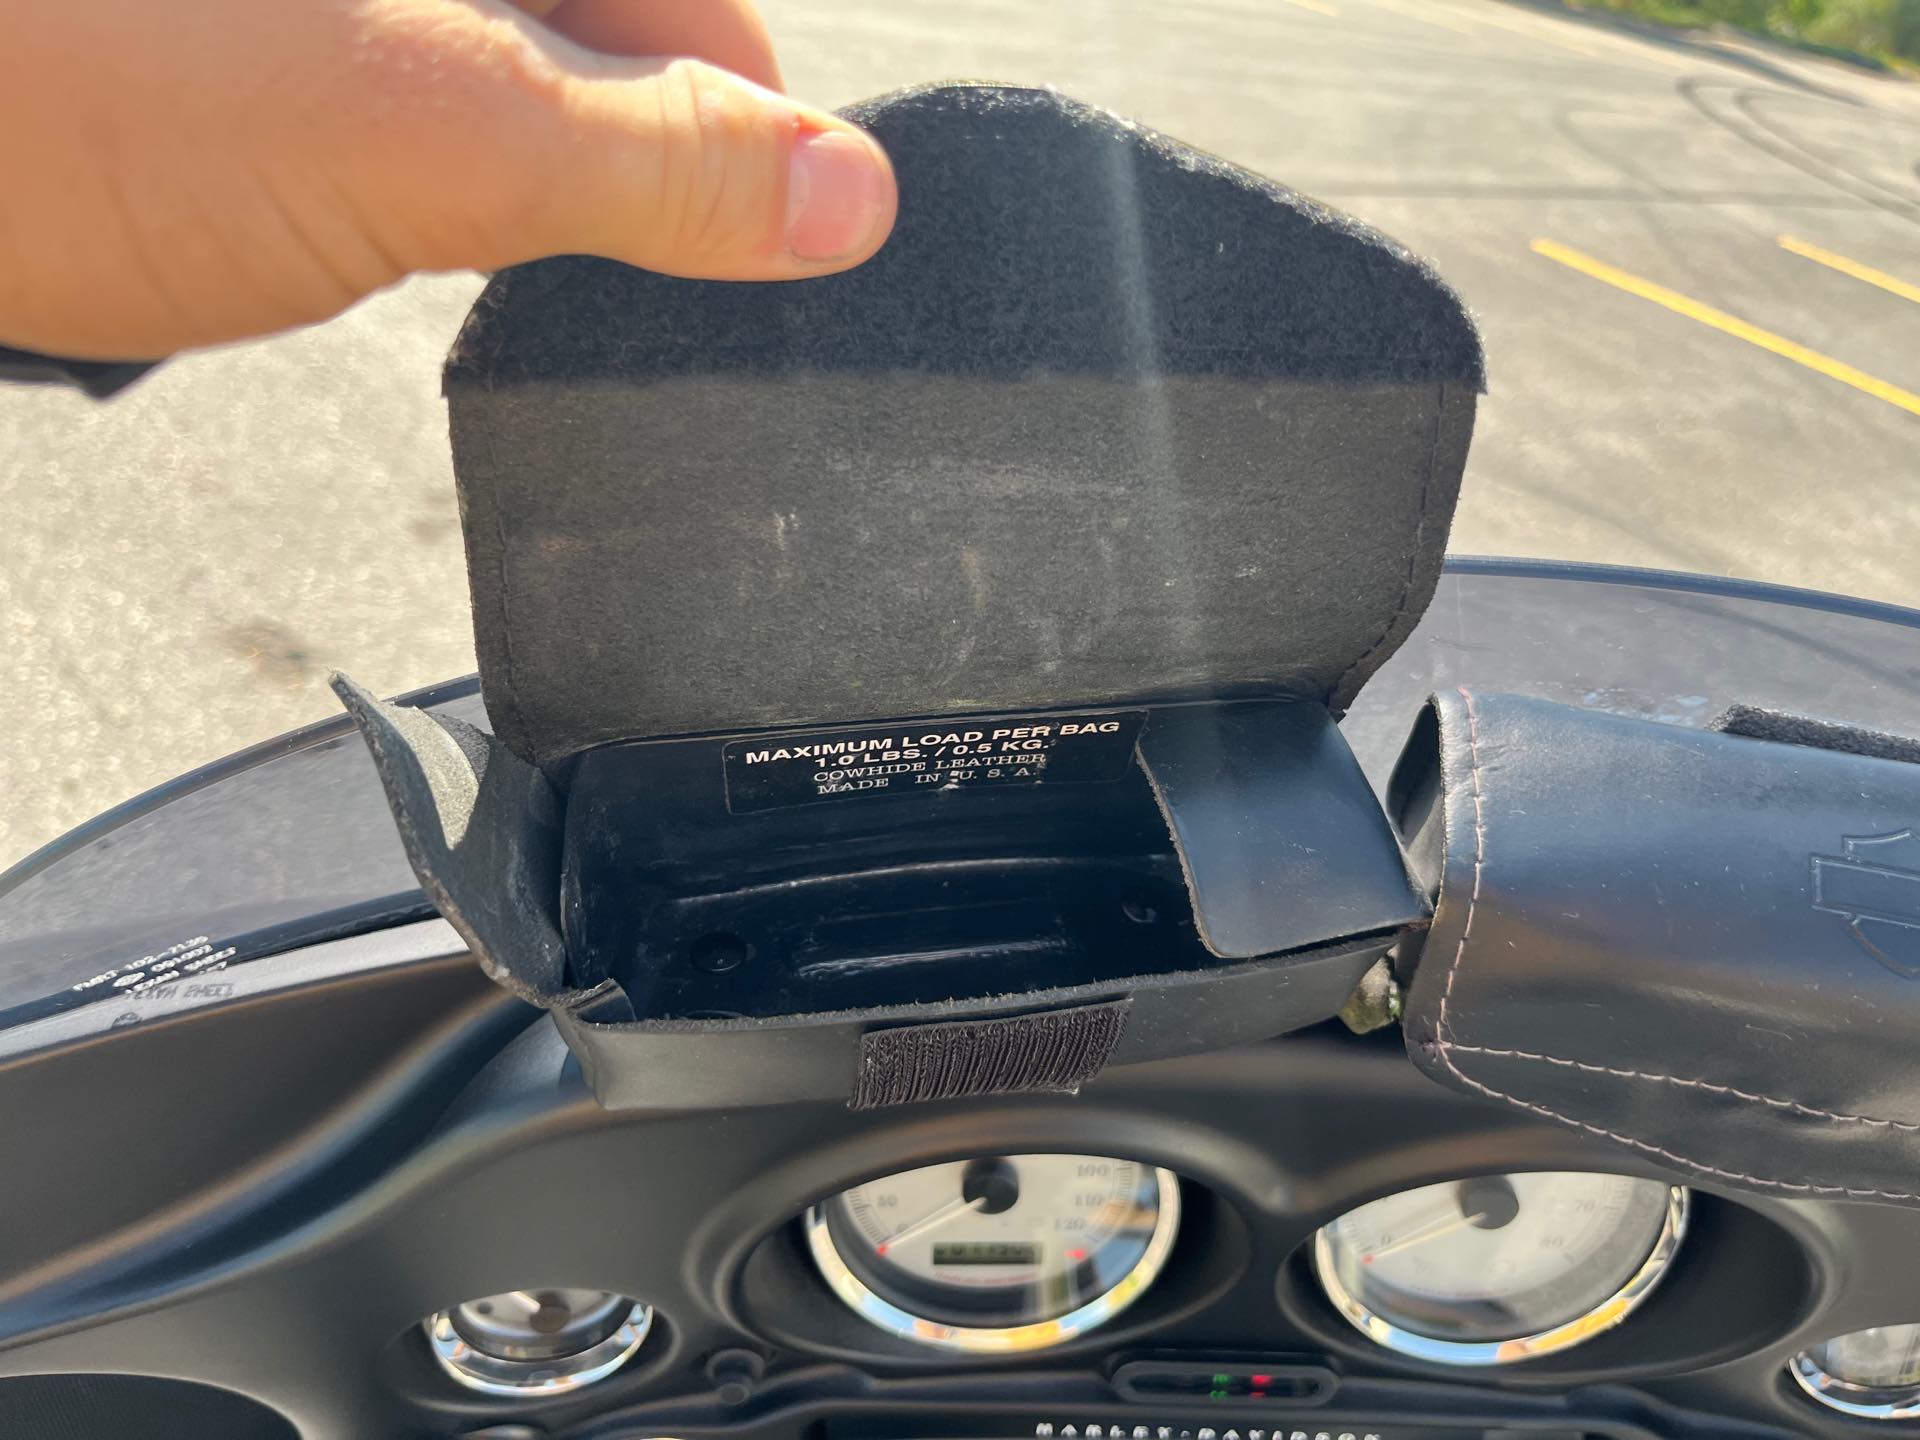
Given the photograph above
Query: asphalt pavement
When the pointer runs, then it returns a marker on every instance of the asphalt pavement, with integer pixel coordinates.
(1694, 260)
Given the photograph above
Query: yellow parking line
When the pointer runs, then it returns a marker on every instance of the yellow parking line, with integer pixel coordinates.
(1426, 14)
(1852, 267)
(1489, 15)
(1727, 324)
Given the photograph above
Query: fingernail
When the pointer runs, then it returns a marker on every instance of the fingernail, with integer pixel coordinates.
(838, 191)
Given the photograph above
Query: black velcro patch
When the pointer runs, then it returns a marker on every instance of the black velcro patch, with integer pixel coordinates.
(1052, 1050)
(1758, 723)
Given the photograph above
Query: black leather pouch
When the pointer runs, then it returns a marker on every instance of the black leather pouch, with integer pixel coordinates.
(1699, 945)
(922, 682)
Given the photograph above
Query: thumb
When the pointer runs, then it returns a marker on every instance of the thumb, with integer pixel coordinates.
(269, 165)
(673, 165)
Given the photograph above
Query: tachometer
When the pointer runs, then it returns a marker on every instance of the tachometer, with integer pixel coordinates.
(1002, 1252)
(1500, 1268)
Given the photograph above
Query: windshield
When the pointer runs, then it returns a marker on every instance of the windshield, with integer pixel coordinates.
(1690, 248)
(293, 843)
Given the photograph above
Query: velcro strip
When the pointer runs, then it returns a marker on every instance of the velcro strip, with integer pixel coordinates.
(1050, 1050)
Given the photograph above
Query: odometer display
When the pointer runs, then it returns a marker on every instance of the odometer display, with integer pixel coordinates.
(985, 1252)
(1001, 1252)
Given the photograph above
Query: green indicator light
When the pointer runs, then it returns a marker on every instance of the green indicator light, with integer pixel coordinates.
(1220, 1382)
(1218, 1395)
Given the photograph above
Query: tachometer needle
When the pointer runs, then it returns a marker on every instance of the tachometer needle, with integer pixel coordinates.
(1432, 1230)
(952, 1210)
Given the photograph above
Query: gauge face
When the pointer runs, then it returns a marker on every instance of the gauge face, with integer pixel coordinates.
(541, 1341)
(1873, 1373)
(1499, 1268)
(1002, 1252)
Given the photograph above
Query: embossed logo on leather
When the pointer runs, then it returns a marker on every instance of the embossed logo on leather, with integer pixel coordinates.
(1875, 887)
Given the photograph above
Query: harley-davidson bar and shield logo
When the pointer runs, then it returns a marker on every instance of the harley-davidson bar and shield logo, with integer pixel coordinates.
(1875, 887)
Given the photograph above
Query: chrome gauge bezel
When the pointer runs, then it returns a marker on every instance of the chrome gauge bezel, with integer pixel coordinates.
(492, 1375)
(1867, 1402)
(1479, 1353)
(1035, 1335)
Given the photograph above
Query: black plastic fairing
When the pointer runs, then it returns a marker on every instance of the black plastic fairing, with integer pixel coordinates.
(313, 1306)
(308, 1294)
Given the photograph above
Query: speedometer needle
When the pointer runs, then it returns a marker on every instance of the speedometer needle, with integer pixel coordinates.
(952, 1210)
(1432, 1230)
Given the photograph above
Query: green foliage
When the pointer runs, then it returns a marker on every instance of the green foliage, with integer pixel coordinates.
(1884, 29)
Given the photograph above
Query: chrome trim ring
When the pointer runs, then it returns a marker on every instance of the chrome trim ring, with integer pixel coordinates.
(1869, 1402)
(1039, 1334)
(1604, 1316)
(491, 1375)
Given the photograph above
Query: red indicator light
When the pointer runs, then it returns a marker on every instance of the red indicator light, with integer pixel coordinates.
(1260, 1382)
(1076, 1255)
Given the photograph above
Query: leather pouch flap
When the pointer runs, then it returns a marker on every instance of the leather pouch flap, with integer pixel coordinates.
(1107, 419)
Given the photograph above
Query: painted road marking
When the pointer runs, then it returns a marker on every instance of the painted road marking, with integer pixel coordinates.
(1490, 15)
(1730, 325)
(1852, 267)
(1426, 14)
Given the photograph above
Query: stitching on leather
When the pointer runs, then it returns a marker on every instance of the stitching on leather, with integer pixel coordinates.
(1445, 1047)
(1682, 1161)
(1413, 550)
(1479, 865)
(1775, 1101)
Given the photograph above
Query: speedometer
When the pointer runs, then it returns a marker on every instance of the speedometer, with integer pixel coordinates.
(1001, 1252)
(1498, 1268)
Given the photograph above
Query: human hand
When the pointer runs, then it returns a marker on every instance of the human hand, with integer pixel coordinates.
(197, 171)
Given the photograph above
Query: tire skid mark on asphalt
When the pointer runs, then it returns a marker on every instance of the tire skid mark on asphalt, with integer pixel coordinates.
(1469, 20)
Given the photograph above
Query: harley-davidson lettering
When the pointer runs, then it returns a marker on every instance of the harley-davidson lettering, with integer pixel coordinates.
(774, 772)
